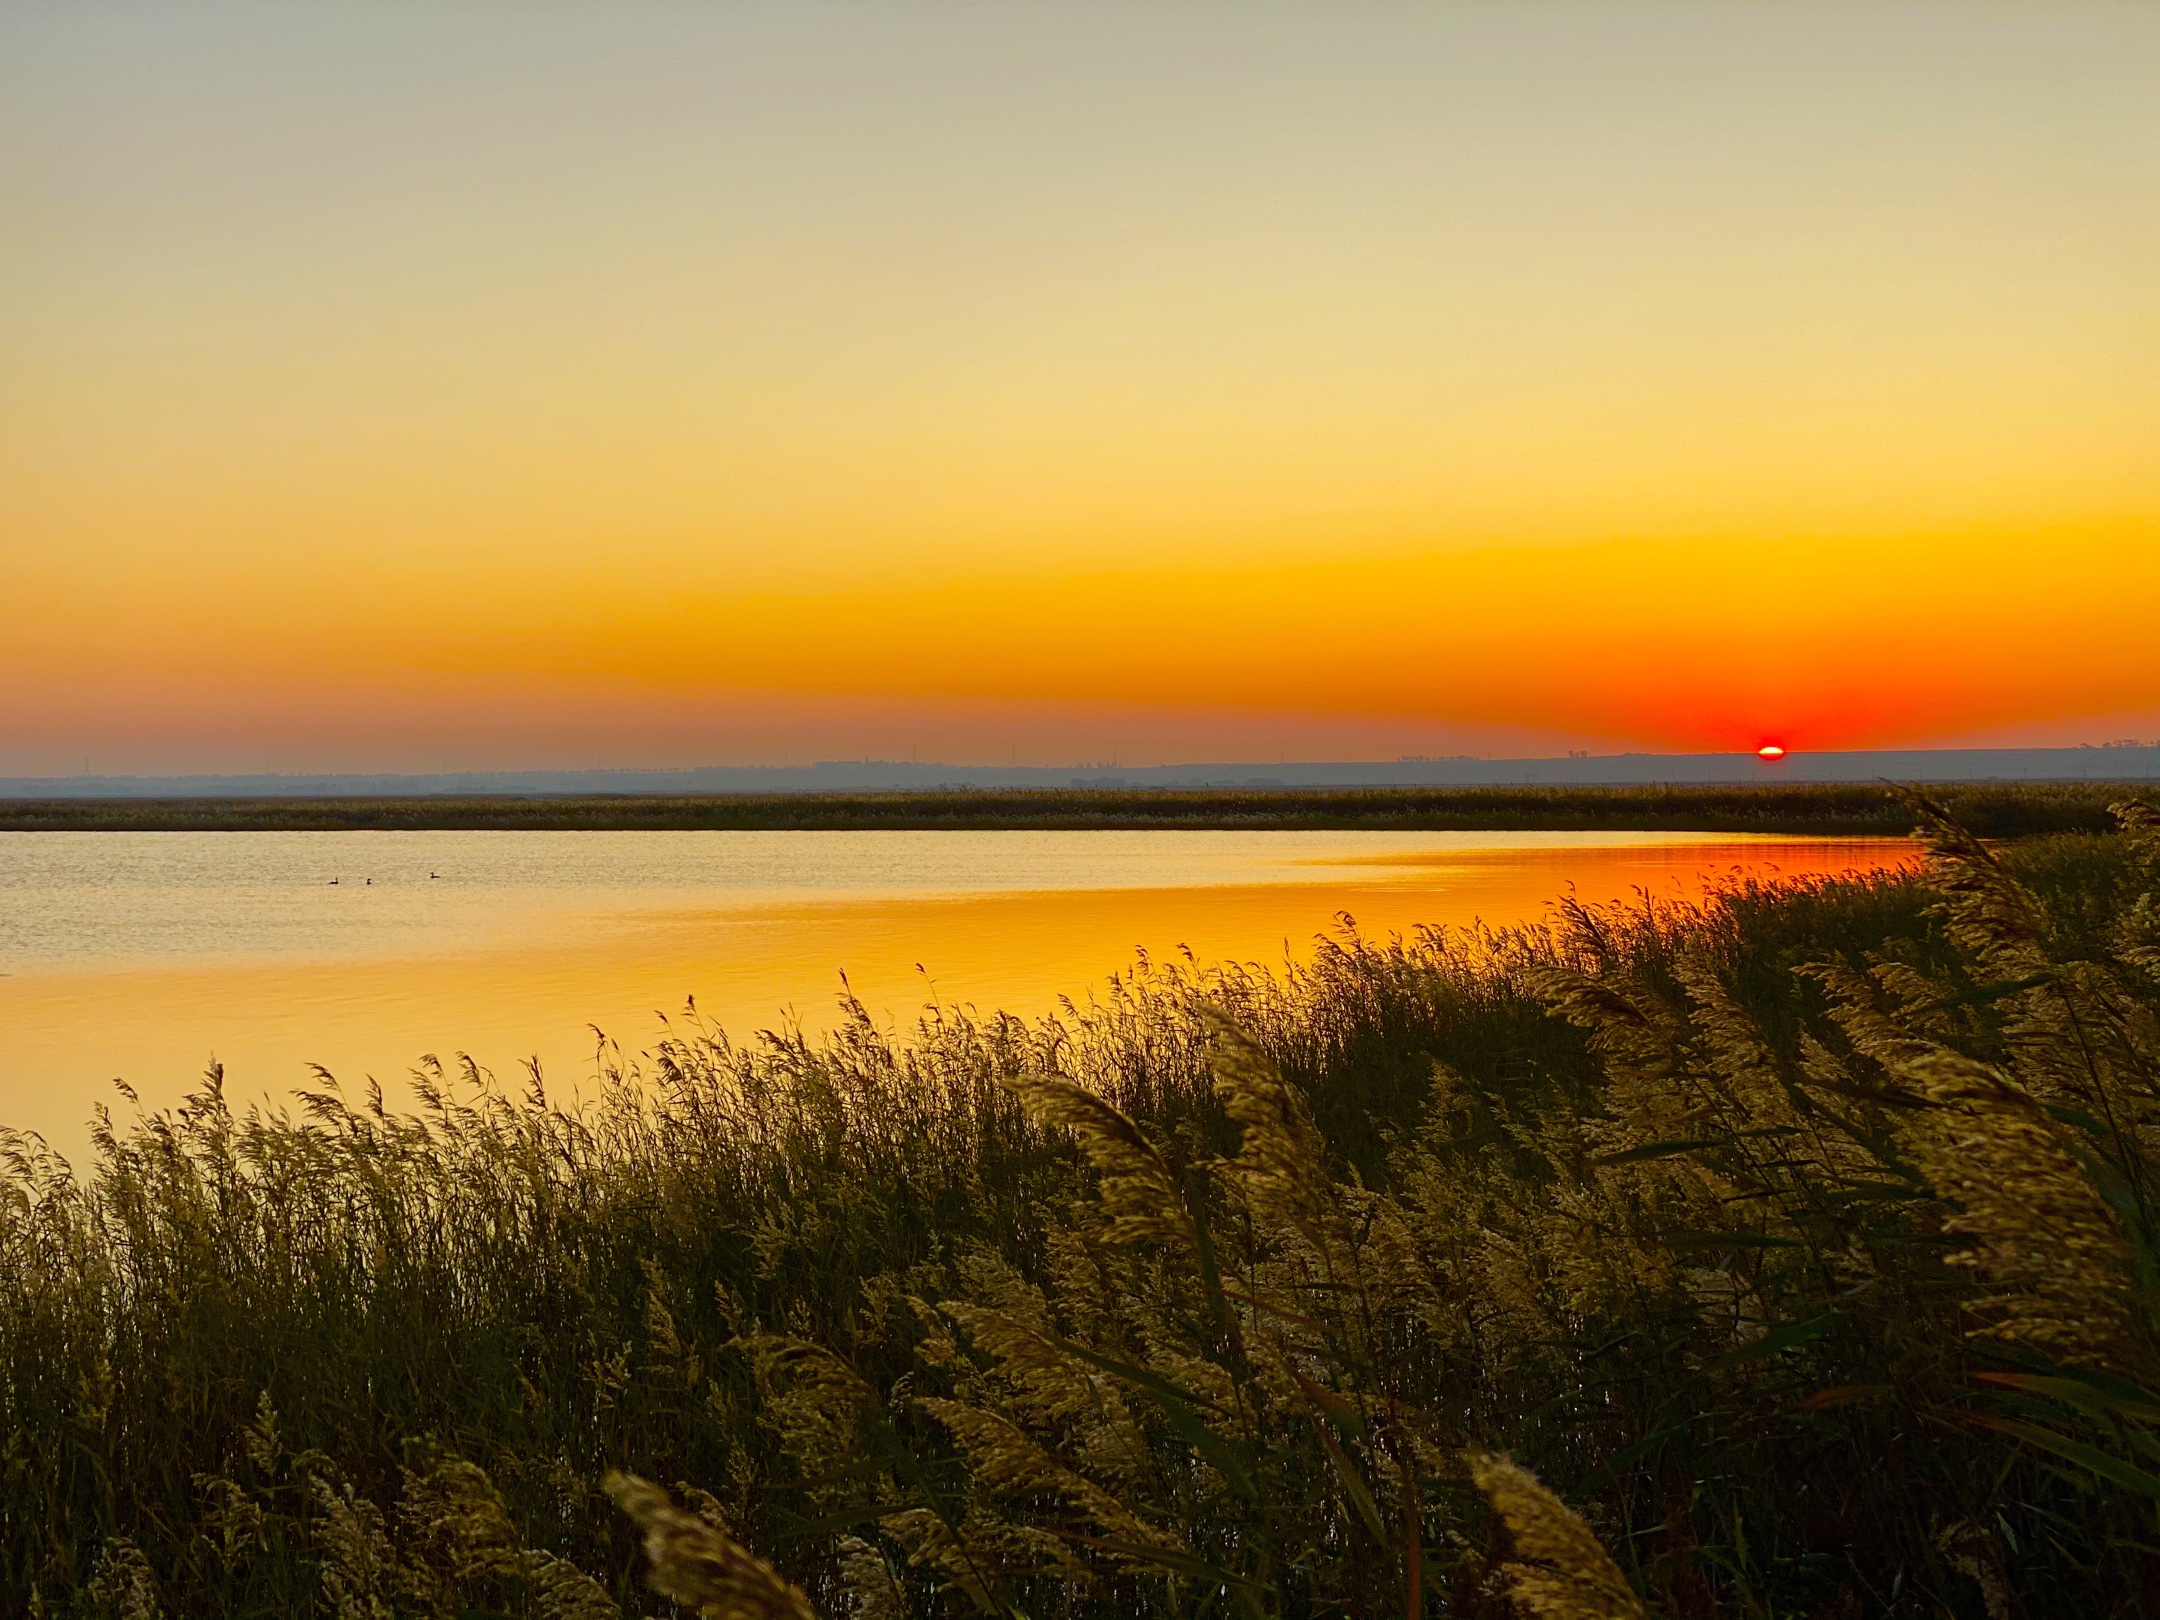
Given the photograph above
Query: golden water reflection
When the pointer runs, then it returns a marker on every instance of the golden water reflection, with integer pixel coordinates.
(227, 952)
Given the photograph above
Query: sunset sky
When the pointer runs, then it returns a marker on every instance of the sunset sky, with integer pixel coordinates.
(395, 387)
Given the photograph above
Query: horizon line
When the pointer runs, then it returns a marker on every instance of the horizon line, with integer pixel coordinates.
(2127, 758)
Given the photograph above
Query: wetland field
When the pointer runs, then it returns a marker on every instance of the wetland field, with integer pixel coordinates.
(1679, 1224)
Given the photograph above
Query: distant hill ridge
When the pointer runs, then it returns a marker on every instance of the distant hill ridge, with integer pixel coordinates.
(2118, 762)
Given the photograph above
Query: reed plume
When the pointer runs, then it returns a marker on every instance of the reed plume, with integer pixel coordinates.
(1138, 1192)
(961, 1560)
(873, 1593)
(2042, 1236)
(699, 1564)
(1560, 1570)
(122, 1585)
(1281, 1159)
(1005, 1459)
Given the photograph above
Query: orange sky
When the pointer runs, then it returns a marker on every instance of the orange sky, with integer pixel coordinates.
(645, 386)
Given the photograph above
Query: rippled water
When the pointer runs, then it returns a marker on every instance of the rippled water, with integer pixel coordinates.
(145, 955)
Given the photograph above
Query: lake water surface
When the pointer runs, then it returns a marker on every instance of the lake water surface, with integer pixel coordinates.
(144, 955)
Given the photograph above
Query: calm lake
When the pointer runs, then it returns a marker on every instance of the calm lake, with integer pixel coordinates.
(145, 955)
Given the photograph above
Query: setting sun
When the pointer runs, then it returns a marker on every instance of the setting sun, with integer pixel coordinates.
(970, 782)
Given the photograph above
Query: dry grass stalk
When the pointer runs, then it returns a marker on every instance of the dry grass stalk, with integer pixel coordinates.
(1282, 1158)
(930, 1543)
(1992, 919)
(564, 1592)
(1006, 1460)
(1560, 1572)
(1733, 1043)
(811, 1398)
(260, 1438)
(232, 1519)
(699, 1565)
(668, 1346)
(359, 1565)
(451, 1519)
(454, 1532)
(1811, 1142)
(2137, 932)
(1890, 1042)
(1048, 1385)
(2063, 1019)
(873, 1593)
(2042, 1234)
(122, 1585)
(1137, 1191)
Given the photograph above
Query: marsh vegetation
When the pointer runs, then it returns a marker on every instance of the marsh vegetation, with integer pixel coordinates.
(1791, 1254)
(1991, 810)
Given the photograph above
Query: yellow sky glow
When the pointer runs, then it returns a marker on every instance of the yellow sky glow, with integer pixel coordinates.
(381, 388)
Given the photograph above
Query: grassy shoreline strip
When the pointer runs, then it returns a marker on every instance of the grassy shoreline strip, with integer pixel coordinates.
(1800, 809)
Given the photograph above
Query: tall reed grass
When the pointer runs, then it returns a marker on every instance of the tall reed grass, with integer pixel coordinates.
(1791, 1254)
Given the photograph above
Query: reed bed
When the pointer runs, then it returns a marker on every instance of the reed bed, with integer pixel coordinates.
(1790, 1254)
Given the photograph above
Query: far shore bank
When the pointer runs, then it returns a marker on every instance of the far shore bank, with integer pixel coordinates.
(1993, 810)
